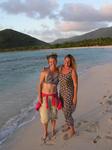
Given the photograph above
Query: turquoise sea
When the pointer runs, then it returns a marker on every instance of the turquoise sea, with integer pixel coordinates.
(19, 74)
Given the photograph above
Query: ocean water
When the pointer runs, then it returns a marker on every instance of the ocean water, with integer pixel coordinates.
(19, 75)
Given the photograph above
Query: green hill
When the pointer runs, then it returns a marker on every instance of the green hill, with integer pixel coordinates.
(14, 40)
(99, 33)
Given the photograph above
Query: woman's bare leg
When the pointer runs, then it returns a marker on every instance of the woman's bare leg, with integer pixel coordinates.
(45, 127)
(53, 123)
(71, 131)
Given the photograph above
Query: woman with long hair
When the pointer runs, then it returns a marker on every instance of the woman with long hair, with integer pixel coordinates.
(68, 81)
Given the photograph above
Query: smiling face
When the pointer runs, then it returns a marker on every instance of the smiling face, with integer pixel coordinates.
(52, 62)
(67, 62)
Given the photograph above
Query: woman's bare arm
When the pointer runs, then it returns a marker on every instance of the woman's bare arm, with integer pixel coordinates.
(39, 87)
(75, 82)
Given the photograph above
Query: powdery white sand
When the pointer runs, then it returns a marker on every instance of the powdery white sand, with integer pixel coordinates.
(93, 118)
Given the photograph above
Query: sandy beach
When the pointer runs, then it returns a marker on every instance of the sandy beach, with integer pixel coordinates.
(93, 118)
(83, 47)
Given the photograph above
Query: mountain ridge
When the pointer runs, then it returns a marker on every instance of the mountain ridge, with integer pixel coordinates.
(98, 33)
(11, 39)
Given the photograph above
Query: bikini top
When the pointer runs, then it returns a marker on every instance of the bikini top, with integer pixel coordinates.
(52, 78)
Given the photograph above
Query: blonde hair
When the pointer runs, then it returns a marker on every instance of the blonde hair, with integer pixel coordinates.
(72, 61)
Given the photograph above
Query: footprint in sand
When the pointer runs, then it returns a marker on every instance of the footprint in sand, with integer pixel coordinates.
(104, 99)
(96, 139)
(110, 97)
(90, 127)
(109, 102)
(104, 96)
(108, 137)
(110, 120)
(87, 126)
(78, 124)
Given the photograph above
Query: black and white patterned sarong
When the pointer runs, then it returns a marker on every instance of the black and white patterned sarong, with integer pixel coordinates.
(66, 94)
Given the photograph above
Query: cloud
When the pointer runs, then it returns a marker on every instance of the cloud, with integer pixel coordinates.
(84, 12)
(32, 8)
(65, 26)
(68, 19)
(77, 12)
(46, 35)
(1, 27)
(76, 18)
(83, 17)
(106, 12)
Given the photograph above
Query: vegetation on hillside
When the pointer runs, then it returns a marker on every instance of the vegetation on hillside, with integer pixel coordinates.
(11, 40)
(84, 43)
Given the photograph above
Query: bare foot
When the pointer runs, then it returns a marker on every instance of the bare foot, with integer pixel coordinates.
(70, 133)
(44, 138)
(96, 139)
(65, 128)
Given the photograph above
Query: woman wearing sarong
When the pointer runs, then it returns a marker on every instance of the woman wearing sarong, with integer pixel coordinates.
(68, 82)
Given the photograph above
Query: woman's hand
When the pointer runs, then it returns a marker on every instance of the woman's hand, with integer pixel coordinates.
(74, 102)
(40, 99)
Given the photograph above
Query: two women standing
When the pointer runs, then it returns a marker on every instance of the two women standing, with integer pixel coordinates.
(50, 77)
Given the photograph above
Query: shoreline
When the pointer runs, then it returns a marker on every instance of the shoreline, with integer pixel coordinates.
(92, 117)
(83, 47)
(80, 47)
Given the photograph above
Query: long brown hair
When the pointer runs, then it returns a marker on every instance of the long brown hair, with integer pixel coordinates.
(72, 61)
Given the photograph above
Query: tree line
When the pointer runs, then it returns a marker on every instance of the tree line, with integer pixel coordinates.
(83, 43)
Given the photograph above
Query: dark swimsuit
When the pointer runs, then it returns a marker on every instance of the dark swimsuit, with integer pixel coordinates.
(52, 78)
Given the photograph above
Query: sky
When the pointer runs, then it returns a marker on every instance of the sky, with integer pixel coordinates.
(48, 20)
